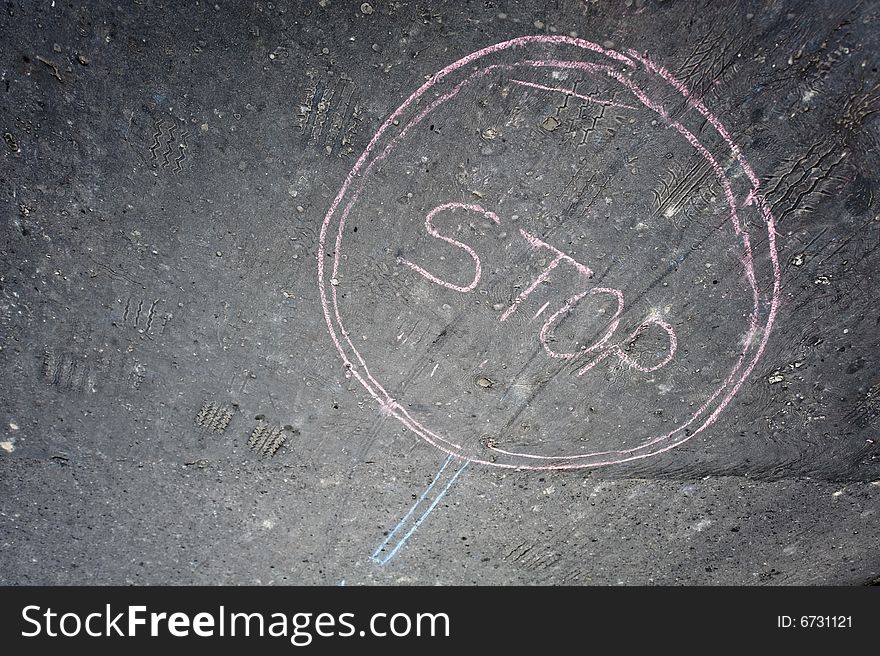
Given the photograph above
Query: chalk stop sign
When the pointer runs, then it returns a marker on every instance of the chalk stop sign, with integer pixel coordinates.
(550, 256)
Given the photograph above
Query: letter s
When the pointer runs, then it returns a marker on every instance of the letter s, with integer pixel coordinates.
(24, 615)
(343, 621)
(449, 240)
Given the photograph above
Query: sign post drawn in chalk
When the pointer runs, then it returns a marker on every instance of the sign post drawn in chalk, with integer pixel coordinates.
(529, 70)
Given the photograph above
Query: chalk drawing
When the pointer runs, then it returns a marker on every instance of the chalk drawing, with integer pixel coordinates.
(546, 330)
(560, 257)
(621, 355)
(449, 240)
(570, 92)
(541, 310)
(386, 550)
(619, 68)
(545, 334)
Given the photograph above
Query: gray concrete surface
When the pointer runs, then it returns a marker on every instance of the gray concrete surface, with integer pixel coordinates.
(174, 407)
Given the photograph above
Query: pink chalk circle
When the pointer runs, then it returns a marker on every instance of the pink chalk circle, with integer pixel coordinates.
(747, 209)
